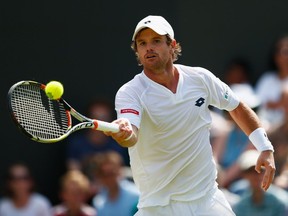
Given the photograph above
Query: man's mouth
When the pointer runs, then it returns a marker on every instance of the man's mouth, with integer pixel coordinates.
(149, 56)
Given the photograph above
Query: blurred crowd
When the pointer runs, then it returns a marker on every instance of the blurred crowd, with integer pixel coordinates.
(98, 179)
(235, 156)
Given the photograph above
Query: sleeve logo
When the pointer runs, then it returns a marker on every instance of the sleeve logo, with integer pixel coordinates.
(129, 111)
(226, 95)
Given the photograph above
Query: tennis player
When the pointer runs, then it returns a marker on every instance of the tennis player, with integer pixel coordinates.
(164, 119)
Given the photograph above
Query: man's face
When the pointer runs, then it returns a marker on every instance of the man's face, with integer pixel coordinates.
(109, 173)
(73, 194)
(20, 181)
(152, 49)
(281, 57)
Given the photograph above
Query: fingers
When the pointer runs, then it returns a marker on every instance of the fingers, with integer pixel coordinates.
(124, 124)
(268, 177)
(125, 131)
(258, 167)
(266, 160)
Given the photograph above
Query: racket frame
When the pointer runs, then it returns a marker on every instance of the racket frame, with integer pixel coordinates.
(84, 122)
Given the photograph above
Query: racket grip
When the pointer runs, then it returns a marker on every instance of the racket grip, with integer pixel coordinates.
(106, 126)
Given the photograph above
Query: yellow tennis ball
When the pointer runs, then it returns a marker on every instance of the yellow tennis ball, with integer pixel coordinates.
(54, 90)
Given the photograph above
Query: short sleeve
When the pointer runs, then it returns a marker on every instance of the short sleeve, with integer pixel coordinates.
(127, 105)
(220, 94)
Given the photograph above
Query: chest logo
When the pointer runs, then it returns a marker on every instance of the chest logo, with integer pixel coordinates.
(200, 102)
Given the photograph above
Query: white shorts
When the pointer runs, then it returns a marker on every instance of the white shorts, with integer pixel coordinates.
(213, 204)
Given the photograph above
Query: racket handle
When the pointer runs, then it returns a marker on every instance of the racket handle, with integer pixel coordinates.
(106, 126)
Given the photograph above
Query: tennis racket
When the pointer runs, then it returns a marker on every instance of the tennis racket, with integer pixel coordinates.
(45, 120)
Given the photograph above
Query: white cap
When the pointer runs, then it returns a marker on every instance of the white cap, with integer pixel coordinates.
(247, 94)
(157, 24)
(248, 159)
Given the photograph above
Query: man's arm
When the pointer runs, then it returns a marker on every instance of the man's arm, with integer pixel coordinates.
(249, 122)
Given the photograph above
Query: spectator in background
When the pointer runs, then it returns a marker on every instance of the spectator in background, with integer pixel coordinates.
(238, 70)
(279, 137)
(269, 85)
(84, 144)
(227, 151)
(117, 195)
(74, 195)
(21, 198)
(232, 142)
(255, 201)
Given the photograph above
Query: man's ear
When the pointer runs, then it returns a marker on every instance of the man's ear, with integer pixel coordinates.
(173, 43)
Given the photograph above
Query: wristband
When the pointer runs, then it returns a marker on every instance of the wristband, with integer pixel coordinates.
(260, 140)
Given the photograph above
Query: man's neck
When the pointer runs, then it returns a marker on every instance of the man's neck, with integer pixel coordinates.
(167, 77)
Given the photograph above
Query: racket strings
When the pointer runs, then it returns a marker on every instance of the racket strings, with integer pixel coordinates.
(38, 115)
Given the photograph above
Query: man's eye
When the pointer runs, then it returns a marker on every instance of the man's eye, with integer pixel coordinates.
(141, 43)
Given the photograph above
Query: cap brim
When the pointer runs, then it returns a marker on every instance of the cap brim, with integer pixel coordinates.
(153, 27)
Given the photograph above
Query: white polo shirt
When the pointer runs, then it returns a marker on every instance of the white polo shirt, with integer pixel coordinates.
(172, 159)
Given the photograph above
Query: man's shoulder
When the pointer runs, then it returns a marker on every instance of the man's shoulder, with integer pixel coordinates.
(192, 70)
(197, 74)
(135, 80)
(137, 84)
